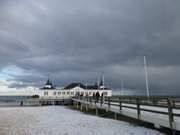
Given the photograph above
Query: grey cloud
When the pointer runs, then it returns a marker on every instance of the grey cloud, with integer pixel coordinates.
(78, 40)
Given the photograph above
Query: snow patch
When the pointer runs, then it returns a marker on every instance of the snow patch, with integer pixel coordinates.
(58, 120)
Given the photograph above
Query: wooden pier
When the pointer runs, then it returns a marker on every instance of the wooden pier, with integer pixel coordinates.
(36, 102)
(46, 101)
(162, 112)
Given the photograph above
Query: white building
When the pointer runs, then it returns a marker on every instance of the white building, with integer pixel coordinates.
(74, 89)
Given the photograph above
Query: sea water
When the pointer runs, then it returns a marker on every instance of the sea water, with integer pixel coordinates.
(11, 100)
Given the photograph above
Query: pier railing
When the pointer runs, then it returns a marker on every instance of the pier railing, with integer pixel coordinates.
(164, 111)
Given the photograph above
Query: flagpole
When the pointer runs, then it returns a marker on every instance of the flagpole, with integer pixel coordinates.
(122, 87)
(146, 77)
(103, 81)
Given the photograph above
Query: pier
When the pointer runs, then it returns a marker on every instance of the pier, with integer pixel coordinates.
(162, 112)
(36, 102)
(47, 101)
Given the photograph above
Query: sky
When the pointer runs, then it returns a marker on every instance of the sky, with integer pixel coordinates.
(79, 40)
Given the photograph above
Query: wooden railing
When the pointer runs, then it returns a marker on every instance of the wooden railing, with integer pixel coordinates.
(139, 105)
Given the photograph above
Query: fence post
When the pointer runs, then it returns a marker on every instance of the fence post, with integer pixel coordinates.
(90, 100)
(96, 111)
(63, 101)
(174, 104)
(171, 119)
(138, 108)
(115, 116)
(101, 101)
(77, 105)
(86, 107)
(81, 108)
(120, 104)
(109, 103)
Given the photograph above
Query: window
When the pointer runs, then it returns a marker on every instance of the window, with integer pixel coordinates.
(68, 93)
(59, 93)
(55, 93)
(82, 93)
(63, 93)
(105, 93)
(46, 93)
(72, 93)
(86, 93)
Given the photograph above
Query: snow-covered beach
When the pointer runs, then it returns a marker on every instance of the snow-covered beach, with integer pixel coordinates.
(58, 120)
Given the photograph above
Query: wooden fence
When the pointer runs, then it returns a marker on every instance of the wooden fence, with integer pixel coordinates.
(168, 107)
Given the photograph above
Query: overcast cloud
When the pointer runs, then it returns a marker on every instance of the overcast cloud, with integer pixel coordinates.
(77, 40)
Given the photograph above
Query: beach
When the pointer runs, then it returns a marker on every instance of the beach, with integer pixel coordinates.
(59, 120)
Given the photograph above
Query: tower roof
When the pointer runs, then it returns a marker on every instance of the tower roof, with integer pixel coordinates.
(48, 85)
(48, 82)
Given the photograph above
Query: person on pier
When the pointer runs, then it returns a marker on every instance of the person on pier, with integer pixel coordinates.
(97, 96)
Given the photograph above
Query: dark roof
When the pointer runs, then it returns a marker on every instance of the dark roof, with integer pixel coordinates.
(92, 87)
(73, 85)
(45, 88)
(89, 87)
(48, 83)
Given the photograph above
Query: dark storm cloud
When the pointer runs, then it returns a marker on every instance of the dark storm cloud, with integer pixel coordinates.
(78, 40)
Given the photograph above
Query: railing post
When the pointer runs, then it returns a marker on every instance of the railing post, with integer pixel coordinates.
(77, 105)
(90, 100)
(115, 116)
(120, 104)
(109, 103)
(81, 107)
(138, 108)
(96, 111)
(171, 119)
(101, 101)
(63, 101)
(174, 104)
(86, 107)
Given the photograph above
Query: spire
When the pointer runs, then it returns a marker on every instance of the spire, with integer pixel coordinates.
(98, 83)
(48, 84)
(102, 80)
